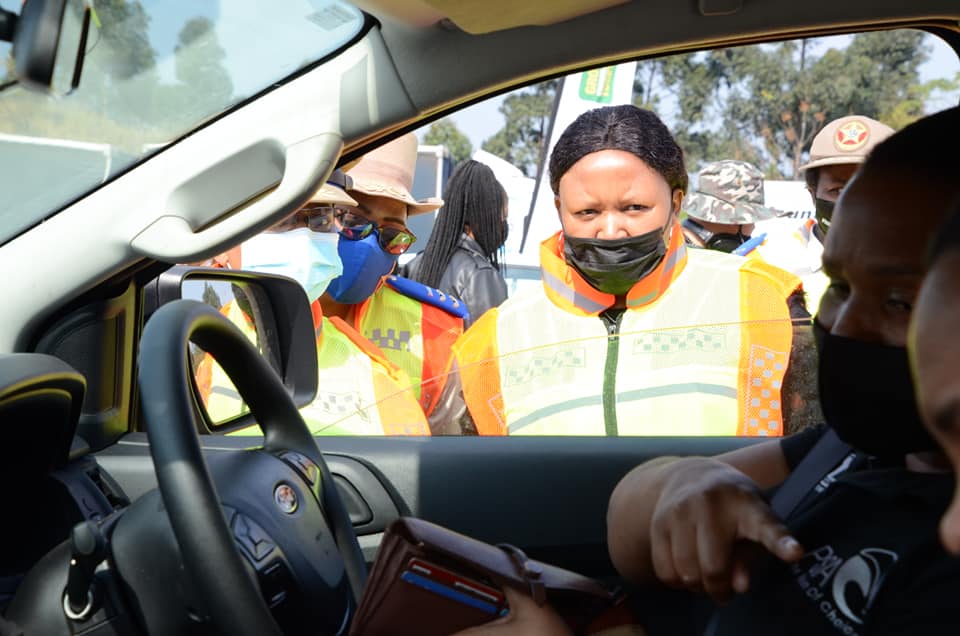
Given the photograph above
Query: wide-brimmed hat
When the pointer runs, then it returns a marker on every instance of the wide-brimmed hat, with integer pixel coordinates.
(846, 140)
(729, 192)
(387, 172)
(334, 191)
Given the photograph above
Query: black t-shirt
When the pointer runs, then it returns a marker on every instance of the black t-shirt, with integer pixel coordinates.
(873, 564)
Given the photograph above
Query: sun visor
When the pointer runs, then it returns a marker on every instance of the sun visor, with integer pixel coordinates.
(486, 16)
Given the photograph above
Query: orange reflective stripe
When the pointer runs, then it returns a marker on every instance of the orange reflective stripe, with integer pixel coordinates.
(766, 336)
(651, 287)
(565, 286)
(372, 350)
(204, 377)
(478, 357)
(400, 412)
(784, 281)
(317, 312)
(440, 331)
(423, 335)
(571, 292)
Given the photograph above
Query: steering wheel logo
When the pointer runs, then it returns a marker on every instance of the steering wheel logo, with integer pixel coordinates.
(285, 498)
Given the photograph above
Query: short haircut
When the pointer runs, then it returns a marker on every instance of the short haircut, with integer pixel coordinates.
(947, 238)
(628, 128)
(924, 149)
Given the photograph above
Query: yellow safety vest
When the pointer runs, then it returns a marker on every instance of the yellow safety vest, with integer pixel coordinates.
(359, 392)
(220, 396)
(416, 336)
(800, 253)
(701, 349)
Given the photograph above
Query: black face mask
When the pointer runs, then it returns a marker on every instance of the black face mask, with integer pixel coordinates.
(824, 213)
(614, 266)
(867, 396)
(721, 242)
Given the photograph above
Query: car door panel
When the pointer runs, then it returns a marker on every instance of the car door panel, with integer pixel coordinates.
(490, 488)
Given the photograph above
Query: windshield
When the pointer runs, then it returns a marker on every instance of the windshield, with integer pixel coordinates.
(153, 72)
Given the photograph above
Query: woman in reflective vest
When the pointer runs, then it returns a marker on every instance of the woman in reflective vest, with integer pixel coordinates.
(631, 333)
(414, 325)
(360, 392)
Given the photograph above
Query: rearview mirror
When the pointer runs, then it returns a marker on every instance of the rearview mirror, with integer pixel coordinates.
(272, 311)
(49, 43)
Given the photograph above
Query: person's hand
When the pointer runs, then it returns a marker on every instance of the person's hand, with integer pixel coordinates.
(706, 527)
(526, 618)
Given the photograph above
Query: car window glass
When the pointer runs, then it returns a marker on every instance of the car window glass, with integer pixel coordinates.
(699, 370)
(153, 71)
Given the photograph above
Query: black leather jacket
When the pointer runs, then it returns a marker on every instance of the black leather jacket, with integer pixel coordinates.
(469, 277)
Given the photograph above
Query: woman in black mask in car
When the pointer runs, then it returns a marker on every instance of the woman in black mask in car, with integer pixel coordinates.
(859, 552)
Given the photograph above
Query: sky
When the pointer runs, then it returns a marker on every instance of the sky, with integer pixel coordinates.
(483, 120)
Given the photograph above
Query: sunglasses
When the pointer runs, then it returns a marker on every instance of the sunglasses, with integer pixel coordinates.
(317, 218)
(354, 226)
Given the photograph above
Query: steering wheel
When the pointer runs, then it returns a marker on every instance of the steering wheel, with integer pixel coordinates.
(270, 515)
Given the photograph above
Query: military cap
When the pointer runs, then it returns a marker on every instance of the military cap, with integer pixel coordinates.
(846, 140)
(729, 192)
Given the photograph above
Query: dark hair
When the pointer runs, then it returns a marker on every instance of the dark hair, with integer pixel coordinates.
(926, 149)
(811, 176)
(947, 238)
(635, 130)
(473, 197)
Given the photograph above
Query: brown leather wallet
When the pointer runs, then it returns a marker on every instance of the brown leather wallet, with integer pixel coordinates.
(432, 581)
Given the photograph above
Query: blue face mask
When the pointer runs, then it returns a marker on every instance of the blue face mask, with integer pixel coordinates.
(308, 257)
(364, 264)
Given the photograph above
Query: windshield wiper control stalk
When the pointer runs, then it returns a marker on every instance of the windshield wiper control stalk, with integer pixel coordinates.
(88, 550)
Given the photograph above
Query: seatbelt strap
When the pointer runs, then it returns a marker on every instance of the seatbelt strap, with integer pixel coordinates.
(826, 454)
(742, 616)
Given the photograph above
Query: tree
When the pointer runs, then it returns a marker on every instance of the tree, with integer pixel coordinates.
(687, 86)
(781, 95)
(918, 99)
(445, 133)
(522, 139)
(199, 63)
(761, 103)
(124, 28)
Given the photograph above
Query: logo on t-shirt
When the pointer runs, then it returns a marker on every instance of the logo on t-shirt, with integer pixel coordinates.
(831, 477)
(843, 589)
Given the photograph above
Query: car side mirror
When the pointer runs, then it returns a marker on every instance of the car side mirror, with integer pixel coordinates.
(272, 311)
(49, 42)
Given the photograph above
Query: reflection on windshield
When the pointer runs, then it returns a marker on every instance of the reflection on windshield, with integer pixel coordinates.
(153, 71)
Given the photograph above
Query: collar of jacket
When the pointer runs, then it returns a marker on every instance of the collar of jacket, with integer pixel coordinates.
(567, 289)
(471, 245)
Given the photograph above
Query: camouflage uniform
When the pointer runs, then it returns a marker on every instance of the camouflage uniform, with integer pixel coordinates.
(728, 192)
